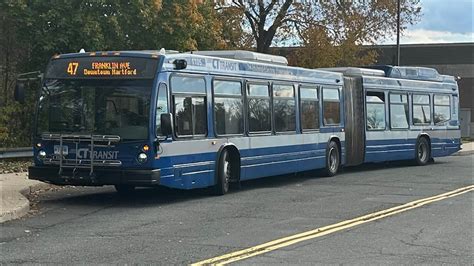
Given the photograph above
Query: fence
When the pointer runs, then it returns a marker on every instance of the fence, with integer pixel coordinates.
(24, 152)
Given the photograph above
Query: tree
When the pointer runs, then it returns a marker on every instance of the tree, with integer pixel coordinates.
(233, 32)
(189, 25)
(319, 50)
(264, 19)
(34, 30)
(354, 21)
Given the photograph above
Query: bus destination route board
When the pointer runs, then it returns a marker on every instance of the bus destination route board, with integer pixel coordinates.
(113, 67)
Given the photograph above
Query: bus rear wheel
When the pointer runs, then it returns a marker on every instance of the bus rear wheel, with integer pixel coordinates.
(332, 159)
(422, 152)
(224, 174)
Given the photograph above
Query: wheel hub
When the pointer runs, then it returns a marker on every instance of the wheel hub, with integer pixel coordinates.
(332, 159)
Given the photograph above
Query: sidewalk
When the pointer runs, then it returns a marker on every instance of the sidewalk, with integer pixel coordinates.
(15, 187)
(467, 148)
(13, 191)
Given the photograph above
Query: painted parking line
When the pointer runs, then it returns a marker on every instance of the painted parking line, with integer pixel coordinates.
(322, 231)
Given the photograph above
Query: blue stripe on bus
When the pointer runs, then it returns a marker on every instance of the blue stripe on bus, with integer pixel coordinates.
(198, 170)
(403, 149)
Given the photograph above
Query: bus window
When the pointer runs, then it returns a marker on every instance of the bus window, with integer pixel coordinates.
(331, 106)
(375, 110)
(398, 111)
(309, 104)
(455, 107)
(284, 108)
(442, 109)
(161, 106)
(258, 102)
(421, 109)
(228, 107)
(189, 101)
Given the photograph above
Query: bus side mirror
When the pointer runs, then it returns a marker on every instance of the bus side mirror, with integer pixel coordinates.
(166, 129)
(19, 93)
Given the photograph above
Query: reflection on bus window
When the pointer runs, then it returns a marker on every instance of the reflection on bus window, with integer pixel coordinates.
(398, 111)
(258, 102)
(331, 106)
(161, 106)
(375, 110)
(421, 109)
(189, 100)
(190, 116)
(309, 108)
(284, 108)
(228, 107)
(442, 109)
(102, 107)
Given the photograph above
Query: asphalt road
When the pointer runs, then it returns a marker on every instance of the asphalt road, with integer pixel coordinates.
(163, 226)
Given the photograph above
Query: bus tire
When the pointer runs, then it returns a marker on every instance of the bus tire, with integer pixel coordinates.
(223, 174)
(333, 161)
(422, 152)
(124, 190)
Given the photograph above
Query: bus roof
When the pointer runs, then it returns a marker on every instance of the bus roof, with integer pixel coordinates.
(246, 56)
(250, 69)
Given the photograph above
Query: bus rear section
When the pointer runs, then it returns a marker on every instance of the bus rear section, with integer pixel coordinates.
(93, 123)
(407, 113)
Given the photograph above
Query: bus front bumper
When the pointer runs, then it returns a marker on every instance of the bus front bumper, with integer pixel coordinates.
(100, 176)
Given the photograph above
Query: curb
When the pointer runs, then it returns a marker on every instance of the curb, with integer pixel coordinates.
(24, 206)
(19, 211)
(33, 188)
(465, 152)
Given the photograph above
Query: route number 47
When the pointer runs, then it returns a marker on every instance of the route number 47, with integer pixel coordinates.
(72, 68)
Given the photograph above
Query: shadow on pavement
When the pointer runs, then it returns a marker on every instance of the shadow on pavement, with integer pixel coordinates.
(107, 196)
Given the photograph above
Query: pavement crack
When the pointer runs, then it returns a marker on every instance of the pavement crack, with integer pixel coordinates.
(428, 246)
(72, 218)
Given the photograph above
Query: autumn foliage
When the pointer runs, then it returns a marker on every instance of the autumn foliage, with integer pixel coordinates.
(329, 33)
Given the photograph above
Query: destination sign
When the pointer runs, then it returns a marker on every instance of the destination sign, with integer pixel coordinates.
(113, 67)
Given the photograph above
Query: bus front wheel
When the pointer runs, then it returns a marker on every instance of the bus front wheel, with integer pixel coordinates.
(423, 152)
(223, 175)
(332, 159)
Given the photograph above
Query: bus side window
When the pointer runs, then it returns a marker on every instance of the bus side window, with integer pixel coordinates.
(161, 106)
(455, 107)
(421, 109)
(189, 99)
(331, 106)
(442, 109)
(284, 108)
(258, 106)
(228, 107)
(398, 111)
(309, 107)
(375, 102)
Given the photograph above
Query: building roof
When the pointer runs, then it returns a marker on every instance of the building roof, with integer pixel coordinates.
(426, 54)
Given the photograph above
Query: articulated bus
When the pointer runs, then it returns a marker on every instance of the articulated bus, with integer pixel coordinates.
(207, 119)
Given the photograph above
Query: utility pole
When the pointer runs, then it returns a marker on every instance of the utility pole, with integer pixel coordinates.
(398, 32)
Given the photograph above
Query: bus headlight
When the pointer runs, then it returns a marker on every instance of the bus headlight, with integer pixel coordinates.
(41, 155)
(142, 157)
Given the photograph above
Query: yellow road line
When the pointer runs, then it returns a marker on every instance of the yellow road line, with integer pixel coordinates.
(322, 231)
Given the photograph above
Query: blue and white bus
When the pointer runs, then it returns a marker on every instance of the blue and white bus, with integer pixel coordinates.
(197, 120)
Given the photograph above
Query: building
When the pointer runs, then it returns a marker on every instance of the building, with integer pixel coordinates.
(455, 59)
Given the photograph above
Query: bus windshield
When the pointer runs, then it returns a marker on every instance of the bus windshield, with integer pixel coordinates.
(99, 107)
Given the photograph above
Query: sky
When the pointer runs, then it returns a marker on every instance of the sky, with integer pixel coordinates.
(442, 21)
